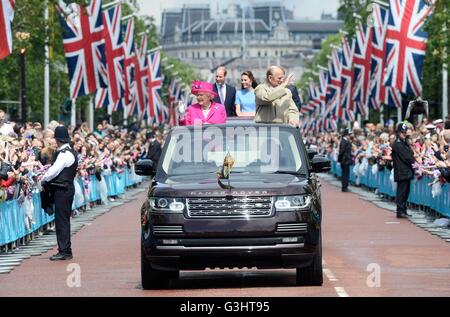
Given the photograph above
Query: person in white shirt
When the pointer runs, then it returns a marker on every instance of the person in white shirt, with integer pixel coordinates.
(5, 128)
(59, 180)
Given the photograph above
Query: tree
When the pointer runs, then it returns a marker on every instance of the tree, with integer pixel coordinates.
(437, 54)
(29, 18)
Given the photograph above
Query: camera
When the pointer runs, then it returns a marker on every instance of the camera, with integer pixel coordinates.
(4, 170)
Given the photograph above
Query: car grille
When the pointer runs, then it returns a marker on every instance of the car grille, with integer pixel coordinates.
(162, 230)
(292, 228)
(238, 207)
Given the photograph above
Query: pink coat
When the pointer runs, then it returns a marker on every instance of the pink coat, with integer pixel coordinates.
(194, 115)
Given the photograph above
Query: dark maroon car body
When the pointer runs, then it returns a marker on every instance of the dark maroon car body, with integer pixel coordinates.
(215, 229)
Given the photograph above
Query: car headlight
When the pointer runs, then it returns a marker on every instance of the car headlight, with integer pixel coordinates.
(293, 203)
(174, 205)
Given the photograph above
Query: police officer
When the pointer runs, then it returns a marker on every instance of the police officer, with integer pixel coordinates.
(345, 158)
(60, 179)
(403, 159)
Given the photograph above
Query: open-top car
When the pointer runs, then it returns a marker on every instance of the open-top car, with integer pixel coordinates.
(239, 195)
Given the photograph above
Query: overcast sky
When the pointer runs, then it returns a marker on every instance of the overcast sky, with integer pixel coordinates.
(303, 8)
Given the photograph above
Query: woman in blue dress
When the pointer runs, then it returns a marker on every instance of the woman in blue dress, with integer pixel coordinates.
(246, 98)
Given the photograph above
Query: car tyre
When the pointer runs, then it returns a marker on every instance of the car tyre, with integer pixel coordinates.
(152, 278)
(312, 275)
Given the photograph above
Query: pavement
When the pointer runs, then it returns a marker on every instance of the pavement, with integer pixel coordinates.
(367, 252)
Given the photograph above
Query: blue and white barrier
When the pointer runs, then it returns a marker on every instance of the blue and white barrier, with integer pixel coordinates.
(420, 191)
(16, 222)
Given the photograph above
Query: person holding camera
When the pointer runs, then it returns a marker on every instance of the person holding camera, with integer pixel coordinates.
(403, 159)
(59, 180)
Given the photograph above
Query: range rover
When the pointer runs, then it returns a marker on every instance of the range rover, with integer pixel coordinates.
(240, 195)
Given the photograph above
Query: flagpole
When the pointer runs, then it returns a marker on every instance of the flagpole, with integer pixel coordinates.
(91, 113)
(47, 69)
(445, 90)
(73, 113)
(445, 78)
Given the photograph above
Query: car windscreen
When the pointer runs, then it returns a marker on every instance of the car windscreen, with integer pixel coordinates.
(253, 150)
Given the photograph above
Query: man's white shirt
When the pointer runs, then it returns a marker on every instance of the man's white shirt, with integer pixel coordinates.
(63, 160)
(6, 129)
(222, 92)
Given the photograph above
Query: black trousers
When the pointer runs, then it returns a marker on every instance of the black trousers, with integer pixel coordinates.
(403, 189)
(63, 211)
(345, 175)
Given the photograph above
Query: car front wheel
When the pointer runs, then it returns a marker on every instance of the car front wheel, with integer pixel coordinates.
(312, 275)
(154, 279)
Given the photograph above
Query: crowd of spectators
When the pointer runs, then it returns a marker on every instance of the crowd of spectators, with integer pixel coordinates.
(28, 150)
(372, 149)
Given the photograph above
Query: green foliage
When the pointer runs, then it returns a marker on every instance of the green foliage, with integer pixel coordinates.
(437, 52)
(321, 59)
(347, 10)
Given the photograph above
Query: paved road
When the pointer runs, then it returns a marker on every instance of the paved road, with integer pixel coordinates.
(360, 240)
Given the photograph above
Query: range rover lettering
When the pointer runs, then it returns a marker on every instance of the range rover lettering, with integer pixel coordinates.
(242, 195)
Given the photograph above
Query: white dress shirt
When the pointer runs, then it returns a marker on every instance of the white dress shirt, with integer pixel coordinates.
(222, 92)
(6, 129)
(63, 160)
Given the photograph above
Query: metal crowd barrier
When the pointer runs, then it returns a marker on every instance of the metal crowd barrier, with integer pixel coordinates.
(13, 218)
(420, 191)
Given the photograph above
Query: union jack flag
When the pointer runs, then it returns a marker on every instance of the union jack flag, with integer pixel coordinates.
(84, 48)
(334, 85)
(406, 45)
(346, 103)
(129, 64)
(154, 86)
(379, 92)
(141, 76)
(6, 19)
(314, 101)
(115, 55)
(323, 80)
(174, 95)
(362, 63)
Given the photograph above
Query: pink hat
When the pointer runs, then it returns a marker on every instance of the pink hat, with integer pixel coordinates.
(203, 87)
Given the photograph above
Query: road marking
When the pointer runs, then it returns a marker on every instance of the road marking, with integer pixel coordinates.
(330, 275)
(341, 292)
(392, 223)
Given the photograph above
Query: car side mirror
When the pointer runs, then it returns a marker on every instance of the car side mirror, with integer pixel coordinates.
(145, 168)
(312, 153)
(320, 164)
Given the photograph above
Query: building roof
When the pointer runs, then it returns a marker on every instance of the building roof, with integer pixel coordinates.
(315, 26)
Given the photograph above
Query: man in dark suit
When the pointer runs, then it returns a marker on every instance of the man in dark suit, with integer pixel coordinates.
(227, 93)
(403, 159)
(296, 96)
(345, 158)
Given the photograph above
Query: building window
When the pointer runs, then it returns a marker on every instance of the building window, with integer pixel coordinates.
(265, 53)
(276, 53)
(259, 53)
(207, 54)
(198, 55)
(214, 54)
(193, 55)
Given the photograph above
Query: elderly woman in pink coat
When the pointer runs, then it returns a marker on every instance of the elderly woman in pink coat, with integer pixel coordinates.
(205, 111)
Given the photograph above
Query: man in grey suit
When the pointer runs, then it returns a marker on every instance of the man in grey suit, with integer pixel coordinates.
(226, 93)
